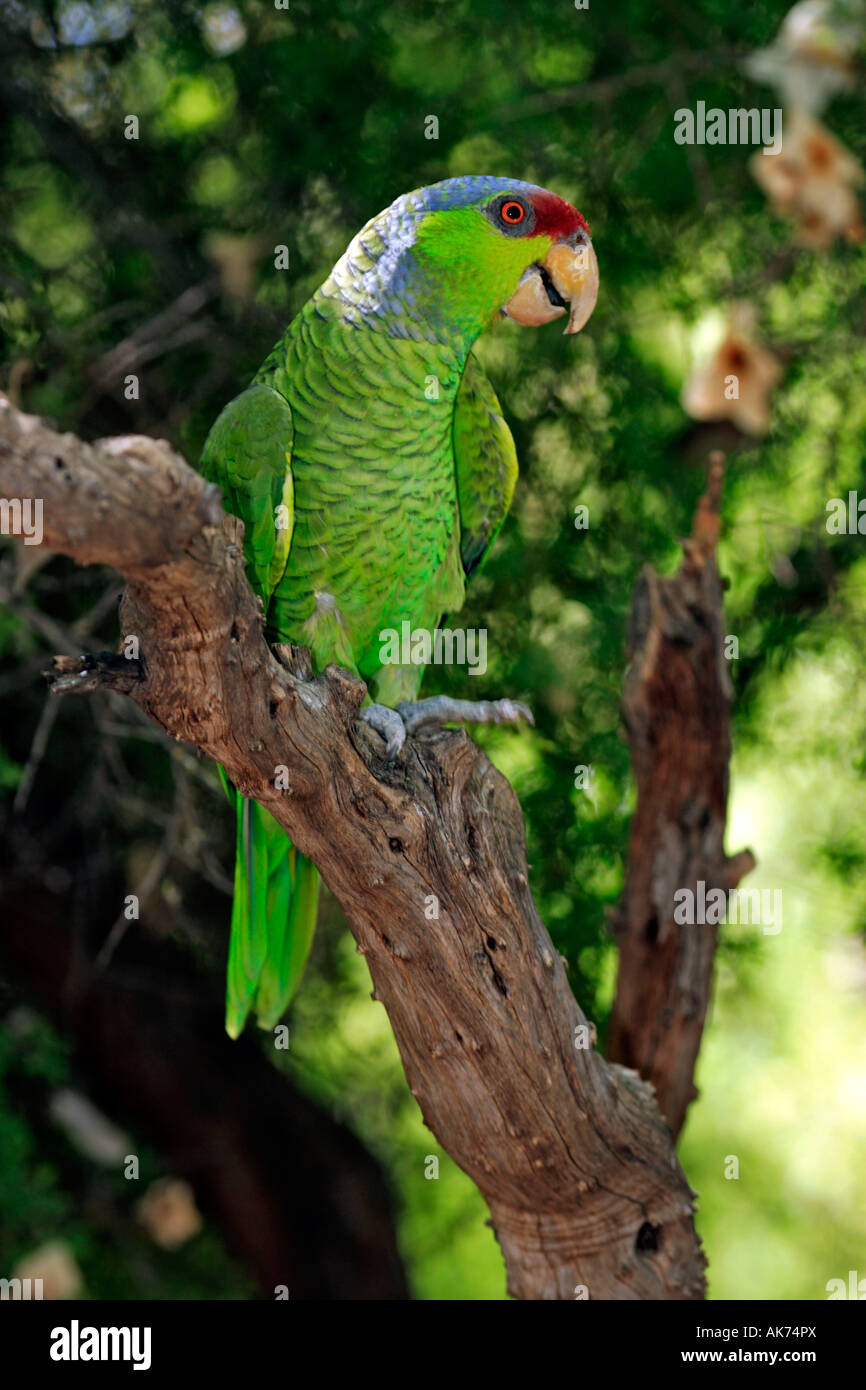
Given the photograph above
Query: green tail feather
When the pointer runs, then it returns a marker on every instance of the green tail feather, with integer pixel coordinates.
(276, 896)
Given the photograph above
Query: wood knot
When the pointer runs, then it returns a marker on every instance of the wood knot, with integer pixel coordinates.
(649, 1239)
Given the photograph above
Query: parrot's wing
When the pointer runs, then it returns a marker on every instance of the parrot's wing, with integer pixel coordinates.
(485, 460)
(248, 453)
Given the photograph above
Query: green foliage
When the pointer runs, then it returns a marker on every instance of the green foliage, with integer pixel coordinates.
(261, 127)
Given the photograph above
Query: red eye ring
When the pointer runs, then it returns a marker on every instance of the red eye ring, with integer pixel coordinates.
(512, 212)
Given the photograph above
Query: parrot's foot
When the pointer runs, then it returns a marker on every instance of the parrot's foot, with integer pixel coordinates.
(441, 709)
(388, 723)
(410, 716)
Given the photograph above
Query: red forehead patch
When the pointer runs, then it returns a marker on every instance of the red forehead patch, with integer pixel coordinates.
(556, 218)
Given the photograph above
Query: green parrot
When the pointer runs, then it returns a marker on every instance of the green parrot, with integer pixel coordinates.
(372, 469)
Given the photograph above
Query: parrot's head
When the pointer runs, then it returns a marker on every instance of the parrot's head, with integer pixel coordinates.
(450, 258)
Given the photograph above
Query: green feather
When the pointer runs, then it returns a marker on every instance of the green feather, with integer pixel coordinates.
(248, 453)
(273, 919)
(485, 462)
(294, 899)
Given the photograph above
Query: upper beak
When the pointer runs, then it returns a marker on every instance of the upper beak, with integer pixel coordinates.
(566, 281)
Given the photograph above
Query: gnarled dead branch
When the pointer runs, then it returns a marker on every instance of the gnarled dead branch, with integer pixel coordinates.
(676, 709)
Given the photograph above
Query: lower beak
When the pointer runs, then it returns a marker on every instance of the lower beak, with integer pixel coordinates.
(566, 282)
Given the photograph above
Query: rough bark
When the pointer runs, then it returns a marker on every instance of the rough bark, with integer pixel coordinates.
(572, 1155)
(677, 712)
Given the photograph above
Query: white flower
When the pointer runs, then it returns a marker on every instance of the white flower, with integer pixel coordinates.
(737, 382)
(812, 179)
(811, 59)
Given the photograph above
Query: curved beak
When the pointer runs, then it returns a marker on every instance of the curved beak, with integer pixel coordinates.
(565, 282)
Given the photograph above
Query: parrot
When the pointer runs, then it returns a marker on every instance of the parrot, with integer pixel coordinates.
(372, 468)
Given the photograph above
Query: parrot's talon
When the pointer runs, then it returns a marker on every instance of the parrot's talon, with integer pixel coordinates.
(442, 709)
(389, 724)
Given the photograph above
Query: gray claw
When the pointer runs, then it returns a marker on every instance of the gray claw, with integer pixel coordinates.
(441, 709)
(410, 716)
(389, 724)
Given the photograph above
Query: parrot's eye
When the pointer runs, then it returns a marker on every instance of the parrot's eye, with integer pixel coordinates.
(513, 216)
(512, 212)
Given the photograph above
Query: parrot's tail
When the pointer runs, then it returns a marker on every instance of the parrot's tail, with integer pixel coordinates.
(273, 918)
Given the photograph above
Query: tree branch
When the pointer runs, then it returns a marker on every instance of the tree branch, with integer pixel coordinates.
(676, 709)
(571, 1153)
